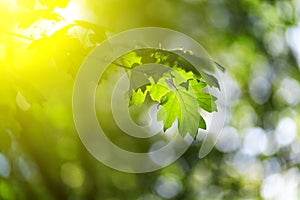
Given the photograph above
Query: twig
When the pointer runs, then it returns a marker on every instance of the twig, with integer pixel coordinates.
(16, 35)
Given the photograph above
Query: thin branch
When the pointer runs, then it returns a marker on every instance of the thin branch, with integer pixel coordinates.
(16, 35)
(119, 65)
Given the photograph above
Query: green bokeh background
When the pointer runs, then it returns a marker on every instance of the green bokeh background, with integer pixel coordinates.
(258, 156)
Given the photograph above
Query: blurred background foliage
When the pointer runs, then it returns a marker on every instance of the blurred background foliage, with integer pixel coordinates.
(42, 45)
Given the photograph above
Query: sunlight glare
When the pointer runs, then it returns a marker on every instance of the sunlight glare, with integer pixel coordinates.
(71, 12)
(42, 27)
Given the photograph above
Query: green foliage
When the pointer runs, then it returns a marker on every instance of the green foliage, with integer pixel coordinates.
(182, 105)
(130, 59)
(157, 91)
(137, 98)
(178, 92)
(205, 101)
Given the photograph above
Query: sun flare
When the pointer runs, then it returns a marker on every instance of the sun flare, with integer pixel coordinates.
(54, 21)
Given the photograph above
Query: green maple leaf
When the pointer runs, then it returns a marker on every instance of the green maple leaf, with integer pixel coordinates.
(181, 105)
(207, 63)
(181, 76)
(157, 91)
(210, 80)
(171, 109)
(137, 97)
(144, 75)
(177, 88)
(130, 59)
(205, 101)
(202, 123)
